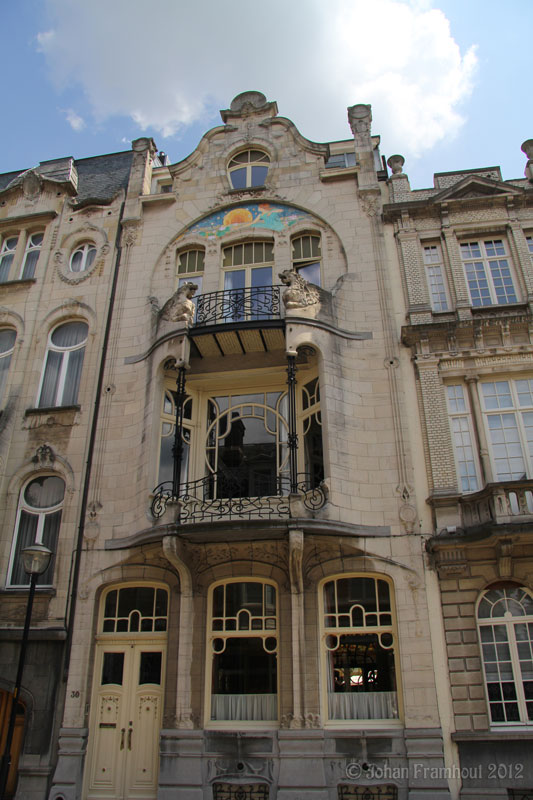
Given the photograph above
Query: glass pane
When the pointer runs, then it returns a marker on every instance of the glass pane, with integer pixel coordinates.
(244, 668)
(235, 279)
(259, 175)
(136, 598)
(73, 377)
(70, 334)
(111, 604)
(150, 668)
(50, 379)
(44, 492)
(311, 273)
(113, 668)
(7, 340)
(238, 178)
(30, 262)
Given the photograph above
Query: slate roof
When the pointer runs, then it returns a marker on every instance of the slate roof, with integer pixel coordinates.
(98, 178)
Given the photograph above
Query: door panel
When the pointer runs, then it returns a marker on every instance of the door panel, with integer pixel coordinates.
(123, 759)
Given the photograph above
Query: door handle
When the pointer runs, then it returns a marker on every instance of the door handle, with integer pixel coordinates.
(122, 732)
(130, 731)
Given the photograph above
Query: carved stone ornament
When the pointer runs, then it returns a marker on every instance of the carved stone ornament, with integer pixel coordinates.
(31, 185)
(360, 118)
(44, 456)
(396, 164)
(180, 307)
(299, 293)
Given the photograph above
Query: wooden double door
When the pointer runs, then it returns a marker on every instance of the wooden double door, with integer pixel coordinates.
(125, 721)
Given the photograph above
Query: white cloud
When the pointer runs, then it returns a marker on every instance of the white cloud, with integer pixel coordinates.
(172, 63)
(76, 122)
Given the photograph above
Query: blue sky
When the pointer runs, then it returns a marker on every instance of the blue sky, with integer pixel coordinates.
(448, 80)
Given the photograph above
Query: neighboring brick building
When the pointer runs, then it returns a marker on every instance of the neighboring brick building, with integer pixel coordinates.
(232, 468)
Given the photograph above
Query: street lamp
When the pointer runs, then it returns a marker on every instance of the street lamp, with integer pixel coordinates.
(35, 560)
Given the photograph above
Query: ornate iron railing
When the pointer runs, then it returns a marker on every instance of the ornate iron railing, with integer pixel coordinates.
(202, 500)
(238, 305)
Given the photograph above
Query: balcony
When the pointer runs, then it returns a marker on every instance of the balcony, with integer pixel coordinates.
(224, 496)
(236, 321)
(497, 503)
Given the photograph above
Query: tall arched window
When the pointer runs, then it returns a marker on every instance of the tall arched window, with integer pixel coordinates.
(306, 257)
(31, 255)
(7, 342)
(242, 652)
(38, 521)
(63, 365)
(248, 168)
(359, 645)
(505, 620)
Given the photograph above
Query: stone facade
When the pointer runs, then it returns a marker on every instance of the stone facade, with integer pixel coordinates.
(246, 566)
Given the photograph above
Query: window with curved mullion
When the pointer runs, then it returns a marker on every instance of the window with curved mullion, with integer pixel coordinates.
(38, 521)
(359, 647)
(505, 622)
(242, 647)
(306, 257)
(248, 169)
(64, 361)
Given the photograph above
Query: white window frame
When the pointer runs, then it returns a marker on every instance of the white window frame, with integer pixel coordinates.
(265, 631)
(328, 630)
(61, 381)
(513, 418)
(6, 354)
(436, 276)
(88, 252)
(300, 263)
(31, 247)
(41, 514)
(234, 165)
(190, 265)
(493, 258)
(465, 452)
(7, 252)
(511, 598)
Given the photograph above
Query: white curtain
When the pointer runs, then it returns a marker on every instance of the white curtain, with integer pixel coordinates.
(26, 535)
(363, 705)
(244, 706)
(68, 335)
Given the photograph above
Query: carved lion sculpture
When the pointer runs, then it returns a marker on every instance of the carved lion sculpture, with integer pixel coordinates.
(299, 293)
(180, 307)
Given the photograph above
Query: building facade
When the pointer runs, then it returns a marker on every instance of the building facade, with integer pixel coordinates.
(255, 403)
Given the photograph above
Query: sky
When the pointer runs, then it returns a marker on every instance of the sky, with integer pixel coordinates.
(448, 80)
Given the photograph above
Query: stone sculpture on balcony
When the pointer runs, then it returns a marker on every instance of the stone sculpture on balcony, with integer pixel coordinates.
(180, 307)
(299, 293)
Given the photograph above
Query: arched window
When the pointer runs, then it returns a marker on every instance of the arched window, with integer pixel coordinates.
(63, 365)
(38, 521)
(306, 256)
(7, 254)
(31, 255)
(191, 268)
(242, 652)
(135, 609)
(167, 438)
(7, 343)
(359, 644)
(505, 620)
(248, 168)
(83, 257)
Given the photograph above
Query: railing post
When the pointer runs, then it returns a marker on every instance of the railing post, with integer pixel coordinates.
(292, 439)
(177, 450)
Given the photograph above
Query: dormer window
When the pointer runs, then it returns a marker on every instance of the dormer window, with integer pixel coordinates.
(248, 169)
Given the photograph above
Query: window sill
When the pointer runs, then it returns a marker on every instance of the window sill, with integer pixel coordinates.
(499, 307)
(494, 734)
(51, 409)
(21, 590)
(22, 282)
(362, 724)
(57, 415)
(248, 190)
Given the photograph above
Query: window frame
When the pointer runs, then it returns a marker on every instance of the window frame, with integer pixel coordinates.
(485, 273)
(6, 354)
(301, 263)
(516, 410)
(249, 183)
(437, 283)
(85, 248)
(60, 385)
(464, 415)
(23, 506)
(195, 275)
(510, 622)
(326, 630)
(29, 249)
(6, 252)
(263, 633)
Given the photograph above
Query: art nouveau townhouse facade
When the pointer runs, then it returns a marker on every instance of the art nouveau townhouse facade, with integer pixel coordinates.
(466, 249)
(210, 419)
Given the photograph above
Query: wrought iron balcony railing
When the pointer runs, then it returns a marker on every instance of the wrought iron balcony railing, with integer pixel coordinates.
(238, 305)
(218, 496)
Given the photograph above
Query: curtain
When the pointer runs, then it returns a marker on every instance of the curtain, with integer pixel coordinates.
(363, 705)
(25, 534)
(72, 380)
(5, 266)
(50, 379)
(244, 706)
(30, 262)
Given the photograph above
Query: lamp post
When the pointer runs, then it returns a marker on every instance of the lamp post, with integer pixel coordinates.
(35, 560)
